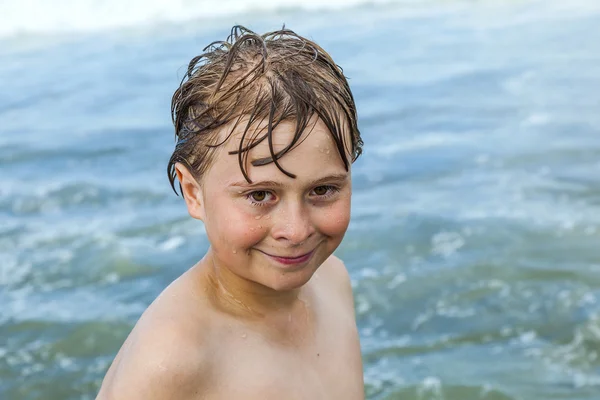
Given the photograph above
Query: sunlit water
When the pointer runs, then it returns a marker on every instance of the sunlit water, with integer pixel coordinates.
(474, 247)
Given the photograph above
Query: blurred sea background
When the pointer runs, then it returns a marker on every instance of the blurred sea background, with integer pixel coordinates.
(474, 246)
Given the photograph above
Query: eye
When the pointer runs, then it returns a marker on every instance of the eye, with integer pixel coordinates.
(321, 190)
(260, 197)
(324, 191)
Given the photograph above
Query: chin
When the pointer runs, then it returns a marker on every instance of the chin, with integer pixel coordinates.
(289, 283)
(295, 279)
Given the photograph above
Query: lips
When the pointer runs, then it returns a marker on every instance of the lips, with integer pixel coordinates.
(291, 260)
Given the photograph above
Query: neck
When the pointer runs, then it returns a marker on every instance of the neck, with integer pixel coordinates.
(245, 298)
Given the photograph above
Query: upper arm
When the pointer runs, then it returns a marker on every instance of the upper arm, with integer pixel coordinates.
(342, 280)
(157, 365)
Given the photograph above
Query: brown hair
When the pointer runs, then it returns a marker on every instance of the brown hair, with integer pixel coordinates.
(268, 79)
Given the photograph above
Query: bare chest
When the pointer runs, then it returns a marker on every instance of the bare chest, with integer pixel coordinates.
(326, 367)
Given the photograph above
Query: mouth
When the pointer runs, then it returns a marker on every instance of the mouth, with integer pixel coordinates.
(286, 260)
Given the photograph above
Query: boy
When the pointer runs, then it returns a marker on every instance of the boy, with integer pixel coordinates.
(267, 132)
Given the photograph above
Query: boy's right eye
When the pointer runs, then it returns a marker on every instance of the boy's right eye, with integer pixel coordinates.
(260, 197)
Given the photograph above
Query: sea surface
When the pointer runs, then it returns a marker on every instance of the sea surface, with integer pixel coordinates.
(474, 246)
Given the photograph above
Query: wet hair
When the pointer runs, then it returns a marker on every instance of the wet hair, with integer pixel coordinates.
(259, 81)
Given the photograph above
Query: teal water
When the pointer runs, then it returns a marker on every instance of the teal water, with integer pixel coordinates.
(474, 246)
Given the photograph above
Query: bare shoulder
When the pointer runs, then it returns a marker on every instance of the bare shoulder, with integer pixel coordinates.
(155, 366)
(340, 315)
(166, 356)
(336, 274)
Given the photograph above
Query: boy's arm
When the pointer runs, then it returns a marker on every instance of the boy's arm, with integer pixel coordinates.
(159, 365)
(344, 285)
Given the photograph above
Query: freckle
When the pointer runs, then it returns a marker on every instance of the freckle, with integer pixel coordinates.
(258, 217)
(318, 354)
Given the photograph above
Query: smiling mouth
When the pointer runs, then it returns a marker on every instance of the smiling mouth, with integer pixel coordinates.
(291, 260)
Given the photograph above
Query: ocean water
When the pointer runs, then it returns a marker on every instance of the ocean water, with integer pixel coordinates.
(474, 246)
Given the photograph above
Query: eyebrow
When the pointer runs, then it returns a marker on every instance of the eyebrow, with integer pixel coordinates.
(325, 179)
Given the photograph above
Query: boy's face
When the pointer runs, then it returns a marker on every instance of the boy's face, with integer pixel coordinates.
(278, 230)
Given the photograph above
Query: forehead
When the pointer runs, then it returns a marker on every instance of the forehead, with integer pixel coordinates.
(313, 155)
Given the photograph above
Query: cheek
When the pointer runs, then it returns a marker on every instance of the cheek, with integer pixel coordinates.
(333, 221)
(245, 231)
(234, 228)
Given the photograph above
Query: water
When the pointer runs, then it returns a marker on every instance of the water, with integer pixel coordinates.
(474, 247)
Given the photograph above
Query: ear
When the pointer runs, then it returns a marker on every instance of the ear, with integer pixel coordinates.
(191, 191)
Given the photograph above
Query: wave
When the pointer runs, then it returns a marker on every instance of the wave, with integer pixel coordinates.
(23, 17)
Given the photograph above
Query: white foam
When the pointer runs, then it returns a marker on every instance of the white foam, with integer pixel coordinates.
(60, 16)
(172, 243)
(446, 243)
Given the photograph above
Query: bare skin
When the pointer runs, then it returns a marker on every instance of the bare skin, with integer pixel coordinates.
(199, 352)
(242, 324)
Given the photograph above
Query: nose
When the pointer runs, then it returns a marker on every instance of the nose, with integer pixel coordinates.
(293, 225)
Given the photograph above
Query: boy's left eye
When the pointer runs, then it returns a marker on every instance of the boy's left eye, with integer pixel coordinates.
(321, 190)
(325, 190)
